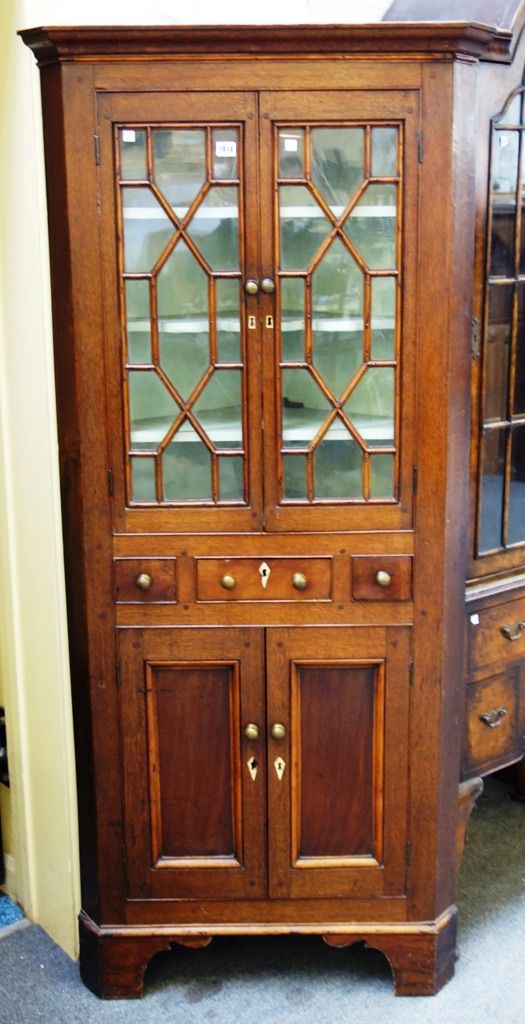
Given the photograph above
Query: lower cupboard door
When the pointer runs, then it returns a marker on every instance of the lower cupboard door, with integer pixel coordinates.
(337, 760)
(194, 783)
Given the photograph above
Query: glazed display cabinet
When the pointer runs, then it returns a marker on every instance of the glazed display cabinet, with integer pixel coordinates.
(263, 242)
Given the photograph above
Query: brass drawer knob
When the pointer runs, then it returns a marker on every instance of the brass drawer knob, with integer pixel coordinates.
(143, 581)
(228, 582)
(278, 731)
(299, 581)
(252, 731)
(268, 285)
(514, 631)
(383, 578)
(251, 286)
(493, 718)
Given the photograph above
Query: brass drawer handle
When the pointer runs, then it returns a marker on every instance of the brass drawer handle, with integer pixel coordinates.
(493, 718)
(251, 731)
(143, 581)
(299, 581)
(383, 578)
(228, 582)
(514, 631)
(278, 731)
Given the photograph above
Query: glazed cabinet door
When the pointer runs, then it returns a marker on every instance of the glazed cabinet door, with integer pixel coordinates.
(338, 713)
(195, 790)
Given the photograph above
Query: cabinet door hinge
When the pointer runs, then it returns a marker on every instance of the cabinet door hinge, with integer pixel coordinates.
(420, 140)
(117, 674)
(414, 479)
(96, 141)
(110, 482)
(411, 673)
(475, 345)
(408, 853)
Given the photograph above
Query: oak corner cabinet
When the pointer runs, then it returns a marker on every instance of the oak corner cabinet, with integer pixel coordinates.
(267, 252)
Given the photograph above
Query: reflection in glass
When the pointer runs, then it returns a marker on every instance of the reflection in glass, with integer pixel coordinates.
(147, 229)
(143, 479)
(228, 321)
(491, 521)
(519, 383)
(291, 153)
(152, 409)
(214, 227)
(187, 467)
(231, 486)
(182, 307)
(138, 321)
(303, 227)
(384, 152)
(505, 146)
(383, 324)
(497, 351)
(372, 226)
(304, 408)
(381, 476)
(516, 525)
(292, 319)
(218, 409)
(337, 164)
(225, 153)
(133, 154)
(294, 477)
(338, 321)
(371, 406)
(179, 160)
(338, 465)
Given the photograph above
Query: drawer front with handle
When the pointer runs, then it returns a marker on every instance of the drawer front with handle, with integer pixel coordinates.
(492, 729)
(497, 634)
(264, 579)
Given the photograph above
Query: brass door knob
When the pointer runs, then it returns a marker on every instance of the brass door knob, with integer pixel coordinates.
(251, 286)
(252, 731)
(299, 580)
(143, 581)
(228, 582)
(267, 285)
(383, 578)
(278, 731)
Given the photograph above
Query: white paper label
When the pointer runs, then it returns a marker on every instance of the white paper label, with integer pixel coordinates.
(291, 145)
(225, 148)
(128, 135)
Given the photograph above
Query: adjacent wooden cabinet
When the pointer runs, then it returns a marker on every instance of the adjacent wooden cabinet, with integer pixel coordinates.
(262, 245)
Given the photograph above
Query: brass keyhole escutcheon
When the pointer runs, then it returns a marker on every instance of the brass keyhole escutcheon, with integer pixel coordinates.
(228, 582)
(143, 581)
(278, 731)
(251, 731)
(299, 580)
(383, 578)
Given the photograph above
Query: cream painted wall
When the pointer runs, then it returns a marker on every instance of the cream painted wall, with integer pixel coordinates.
(39, 812)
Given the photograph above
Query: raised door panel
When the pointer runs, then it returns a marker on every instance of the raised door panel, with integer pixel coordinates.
(338, 768)
(194, 782)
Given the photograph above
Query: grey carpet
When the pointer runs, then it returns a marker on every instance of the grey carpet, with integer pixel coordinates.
(300, 980)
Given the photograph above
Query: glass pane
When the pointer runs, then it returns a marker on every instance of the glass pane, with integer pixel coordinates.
(138, 321)
(292, 319)
(133, 154)
(225, 154)
(294, 477)
(372, 226)
(152, 409)
(338, 465)
(147, 230)
(231, 486)
(492, 490)
(143, 479)
(371, 406)
(338, 322)
(497, 351)
(179, 160)
(182, 306)
(291, 153)
(303, 227)
(516, 526)
(513, 113)
(228, 321)
(381, 476)
(504, 187)
(337, 164)
(218, 409)
(383, 317)
(187, 467)
(384, 152)
(305, 408)
(214, 227)
(519, 386)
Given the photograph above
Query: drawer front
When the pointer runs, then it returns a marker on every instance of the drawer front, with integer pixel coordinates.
(492, 734)
(382, 577)
(145, 580)
(271, 579)
(497, 634)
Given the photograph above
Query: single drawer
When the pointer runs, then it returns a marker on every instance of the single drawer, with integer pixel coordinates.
(382, 577)
(497, 634)
(492, 733)
(145, 580)
(264, 579)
